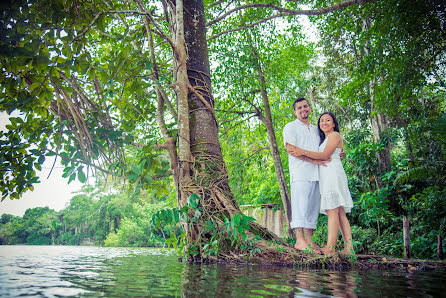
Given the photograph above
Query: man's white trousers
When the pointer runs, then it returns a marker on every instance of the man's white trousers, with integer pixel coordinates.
(305, 204)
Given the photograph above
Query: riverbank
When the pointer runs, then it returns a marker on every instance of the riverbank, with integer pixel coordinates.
(289, 257)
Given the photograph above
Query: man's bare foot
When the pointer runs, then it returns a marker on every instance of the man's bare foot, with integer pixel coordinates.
(301, 245)
(328, 251)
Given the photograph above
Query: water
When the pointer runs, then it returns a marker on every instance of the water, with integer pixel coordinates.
(56, 271)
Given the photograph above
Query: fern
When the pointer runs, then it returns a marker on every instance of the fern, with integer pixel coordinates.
(422, 173)
(439, 126)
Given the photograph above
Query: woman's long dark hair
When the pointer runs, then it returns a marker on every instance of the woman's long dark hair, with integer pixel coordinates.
(321, 133)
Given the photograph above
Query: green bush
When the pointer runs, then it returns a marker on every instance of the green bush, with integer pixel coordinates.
(68, 238)
(38, 240)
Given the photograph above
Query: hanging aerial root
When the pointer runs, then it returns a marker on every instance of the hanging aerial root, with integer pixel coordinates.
(74, 111)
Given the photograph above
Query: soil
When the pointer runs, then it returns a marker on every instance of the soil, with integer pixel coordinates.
(333, 262)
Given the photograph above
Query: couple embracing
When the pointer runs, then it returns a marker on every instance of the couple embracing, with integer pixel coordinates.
(317, 179)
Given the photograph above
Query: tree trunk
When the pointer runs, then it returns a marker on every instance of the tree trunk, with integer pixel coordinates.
(406, 236)
(378, 121)
(283, 187)
(181, 90)
(379, 124)
(208, 169)
(202, 170)
(268, 122)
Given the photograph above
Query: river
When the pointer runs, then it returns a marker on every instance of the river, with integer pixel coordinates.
(88, 271)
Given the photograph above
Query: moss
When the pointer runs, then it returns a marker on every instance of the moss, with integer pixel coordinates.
(198, 148)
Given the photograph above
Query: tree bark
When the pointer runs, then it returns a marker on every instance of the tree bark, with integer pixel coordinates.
(378, 121)
(204, 142)
(204, 129)
(268, 122)
(202, 170)
(406, 235)
(379, 124)
(181, 89)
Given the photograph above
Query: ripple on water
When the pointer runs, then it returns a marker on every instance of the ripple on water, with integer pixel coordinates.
(54, 271)
(59, 270)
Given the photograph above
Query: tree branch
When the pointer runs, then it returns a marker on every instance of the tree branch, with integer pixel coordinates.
(134, 12)
(80, 161)
(255, 5)
(250, 25)
(258, 112)
(284, 13)
(218, 2)
(158, 87)
(241, 113)
(240, 122)
(255, 152)
(223, 10)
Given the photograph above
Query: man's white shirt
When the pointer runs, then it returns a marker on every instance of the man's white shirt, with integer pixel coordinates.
(307, 138)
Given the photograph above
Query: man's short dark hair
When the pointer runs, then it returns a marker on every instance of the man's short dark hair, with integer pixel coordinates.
(299, 100)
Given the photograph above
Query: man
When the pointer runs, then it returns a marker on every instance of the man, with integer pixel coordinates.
(304, 175)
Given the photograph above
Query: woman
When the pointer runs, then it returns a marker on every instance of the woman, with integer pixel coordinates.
(335, 195)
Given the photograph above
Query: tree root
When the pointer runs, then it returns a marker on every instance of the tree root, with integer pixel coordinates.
(293, 258)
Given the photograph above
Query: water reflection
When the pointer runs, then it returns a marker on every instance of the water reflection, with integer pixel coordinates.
(235, 281)
(255, 281)
(55, 271)
(153, 272)
(326, 283)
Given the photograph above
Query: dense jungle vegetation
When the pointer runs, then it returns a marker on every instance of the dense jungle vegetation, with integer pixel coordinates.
(97, 87)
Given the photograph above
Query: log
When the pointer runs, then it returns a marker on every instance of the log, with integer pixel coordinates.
(406, 236)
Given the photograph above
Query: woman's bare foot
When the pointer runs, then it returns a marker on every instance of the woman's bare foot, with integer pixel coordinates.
(317, 250)
(328, 251)
(347, 252)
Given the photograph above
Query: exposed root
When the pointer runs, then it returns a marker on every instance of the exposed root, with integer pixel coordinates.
(293, 258)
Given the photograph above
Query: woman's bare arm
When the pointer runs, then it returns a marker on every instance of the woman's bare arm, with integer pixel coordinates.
(294, 150)
(333, 142)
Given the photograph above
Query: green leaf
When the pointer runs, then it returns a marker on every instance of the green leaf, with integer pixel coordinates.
(135, 169)
(193, 201)
(148, 179)
(132, 176)
(81, 175)
(72, 177)
(197, 213)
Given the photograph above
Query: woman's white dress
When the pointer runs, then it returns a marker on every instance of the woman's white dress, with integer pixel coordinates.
(333, 183)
